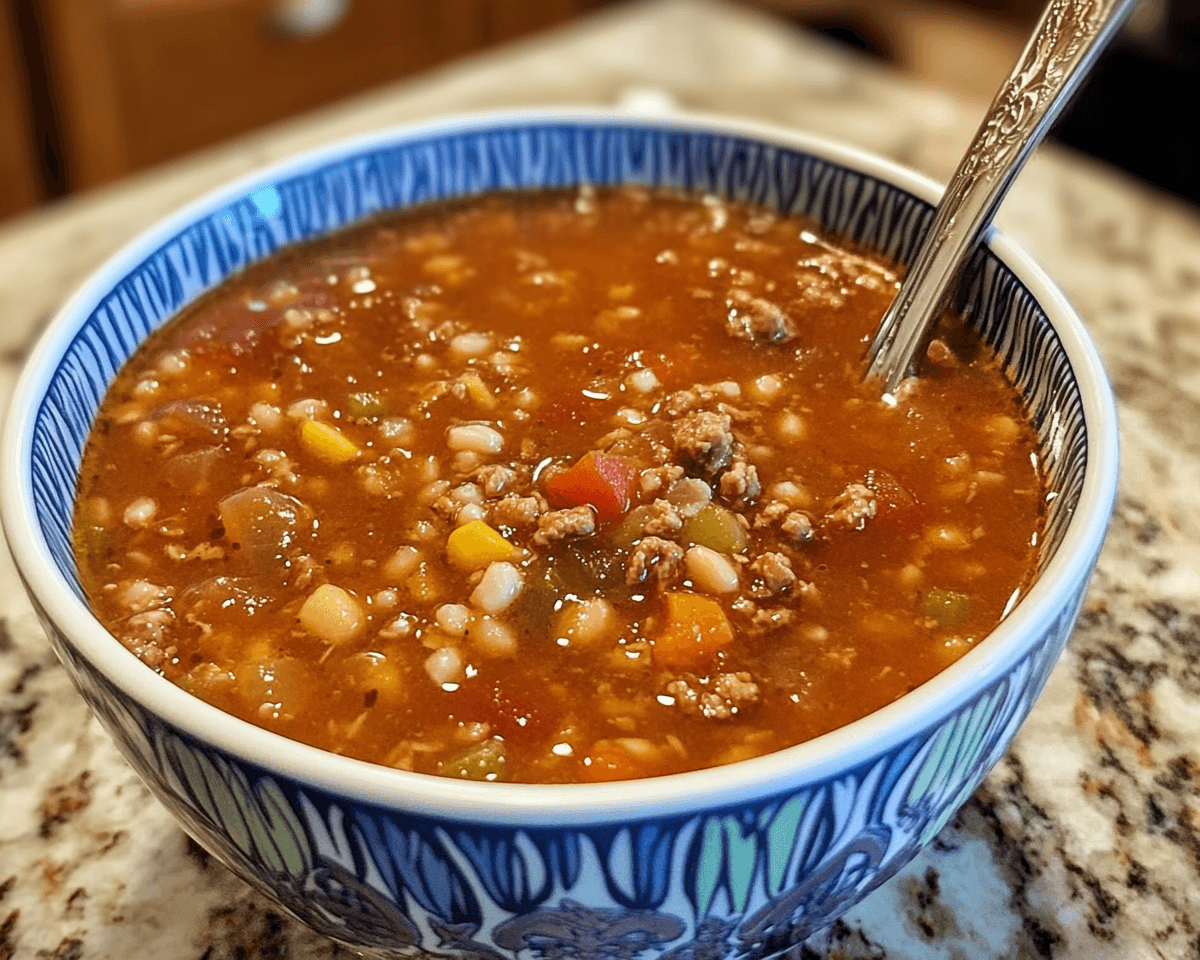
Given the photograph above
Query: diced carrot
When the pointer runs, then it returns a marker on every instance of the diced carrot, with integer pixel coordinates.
(691, 631)
(603, 482)
(613, 760)
(475, 545)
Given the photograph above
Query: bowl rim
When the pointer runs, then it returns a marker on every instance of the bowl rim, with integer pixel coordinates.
(832, 754)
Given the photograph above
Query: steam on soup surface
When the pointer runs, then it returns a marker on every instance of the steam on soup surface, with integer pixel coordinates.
(554, 488)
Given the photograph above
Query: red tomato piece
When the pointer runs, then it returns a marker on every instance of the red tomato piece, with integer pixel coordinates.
(692, 631)
(896, 506)
(597, 480)
(514, 714)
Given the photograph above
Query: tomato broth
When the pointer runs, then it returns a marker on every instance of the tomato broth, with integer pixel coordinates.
(554, 487)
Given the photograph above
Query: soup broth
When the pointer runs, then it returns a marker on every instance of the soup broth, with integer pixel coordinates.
(554, 487)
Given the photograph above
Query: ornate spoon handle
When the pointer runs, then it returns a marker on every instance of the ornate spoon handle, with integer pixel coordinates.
(1065, 43)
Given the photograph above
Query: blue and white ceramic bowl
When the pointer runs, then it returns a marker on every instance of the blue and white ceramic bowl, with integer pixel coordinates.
(742, 862)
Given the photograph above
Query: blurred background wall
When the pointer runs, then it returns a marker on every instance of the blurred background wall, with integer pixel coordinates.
(94, 90)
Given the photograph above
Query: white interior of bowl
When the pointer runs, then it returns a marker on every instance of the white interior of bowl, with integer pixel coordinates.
(825, 756)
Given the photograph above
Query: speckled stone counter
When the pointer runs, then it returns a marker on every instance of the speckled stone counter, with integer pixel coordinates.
(1084, 842)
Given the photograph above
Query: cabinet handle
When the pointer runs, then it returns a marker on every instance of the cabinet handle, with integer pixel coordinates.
(308, 18)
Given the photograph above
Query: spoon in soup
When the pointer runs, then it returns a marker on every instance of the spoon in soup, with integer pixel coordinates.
(1066, 42)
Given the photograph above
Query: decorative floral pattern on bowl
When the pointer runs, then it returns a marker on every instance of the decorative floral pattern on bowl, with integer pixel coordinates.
(744, 871)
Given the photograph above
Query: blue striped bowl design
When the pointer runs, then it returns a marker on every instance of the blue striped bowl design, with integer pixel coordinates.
(744, 863)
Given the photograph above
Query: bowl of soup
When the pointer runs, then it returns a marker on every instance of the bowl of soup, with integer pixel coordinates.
(480, 537)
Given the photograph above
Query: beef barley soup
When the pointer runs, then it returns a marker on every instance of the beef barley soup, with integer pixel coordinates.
(554, 487)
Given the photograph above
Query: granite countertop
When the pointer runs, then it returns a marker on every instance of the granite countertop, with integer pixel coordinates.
(1083, 843)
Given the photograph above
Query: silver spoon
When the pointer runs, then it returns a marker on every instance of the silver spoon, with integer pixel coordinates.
(1064, 45)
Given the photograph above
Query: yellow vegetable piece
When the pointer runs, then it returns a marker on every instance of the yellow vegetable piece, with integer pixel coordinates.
(326, 442)
(475, 545)
(477, 390)
(691, 632)
(332, 614)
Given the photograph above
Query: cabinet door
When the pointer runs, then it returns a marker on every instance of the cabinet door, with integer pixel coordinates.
(143, 80)
(20, 184)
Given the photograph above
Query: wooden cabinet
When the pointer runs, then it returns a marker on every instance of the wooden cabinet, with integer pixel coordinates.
(135, 82)
(20, 184)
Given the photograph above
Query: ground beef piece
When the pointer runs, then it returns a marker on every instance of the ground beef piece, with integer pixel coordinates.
(304, 569)
(797, 527)
(689, 496)
(374, 478)
(423, 531)
(140, 595)
(737, 414)
(738, 688)
(753, 318)
(515, 512)
(940, 354)
(559, 524)
(661, 519)
(772, 512)
(740, 482)
(756, 621)
(773, 575)
(683, 401)
(909, 388)
(705, 440)
(201, 551)
(615, 441)
(495, 479)
(853, 507)
(655, 561)
(718, 698)
(654, 479)
(769, 620)
(152, 628)
(150, 654)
